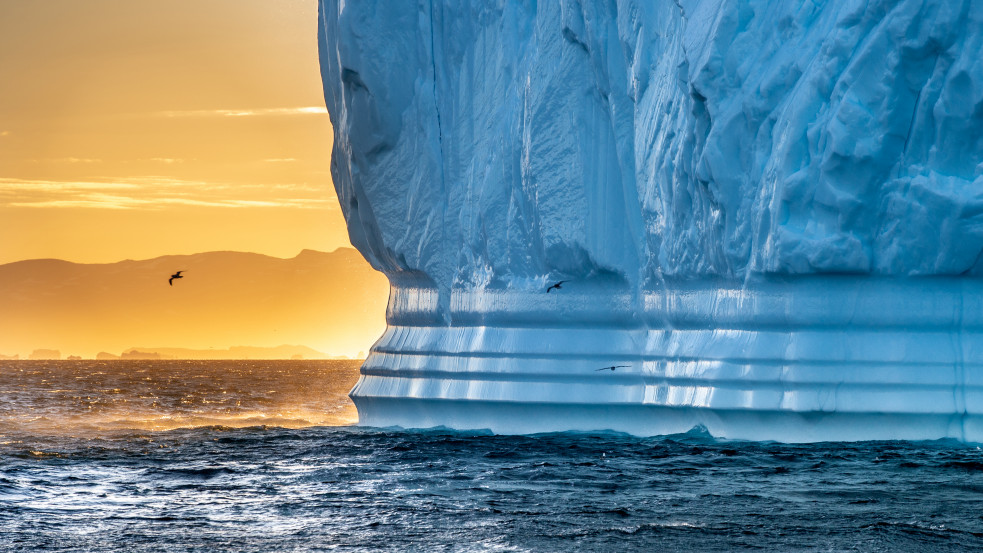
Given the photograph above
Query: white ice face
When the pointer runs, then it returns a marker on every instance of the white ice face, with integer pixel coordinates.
(495, 148)
(490, 143)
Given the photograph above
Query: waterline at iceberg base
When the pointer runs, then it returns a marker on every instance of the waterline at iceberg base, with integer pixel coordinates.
(791, 359)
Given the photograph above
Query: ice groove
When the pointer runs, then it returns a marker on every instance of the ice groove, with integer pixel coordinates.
(636, 379)
(593, 361)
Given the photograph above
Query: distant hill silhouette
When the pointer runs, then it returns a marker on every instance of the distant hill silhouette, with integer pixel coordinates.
(332, 302)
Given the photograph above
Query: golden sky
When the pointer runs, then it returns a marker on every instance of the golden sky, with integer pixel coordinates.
(131, 129)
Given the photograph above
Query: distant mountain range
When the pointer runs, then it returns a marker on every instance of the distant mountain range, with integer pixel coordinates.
(333, 303)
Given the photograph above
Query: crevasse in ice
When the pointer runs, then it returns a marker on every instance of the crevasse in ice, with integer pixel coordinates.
(767, 216)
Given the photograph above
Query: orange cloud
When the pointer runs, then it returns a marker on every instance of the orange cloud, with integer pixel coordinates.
(310, 110)
(156, 193)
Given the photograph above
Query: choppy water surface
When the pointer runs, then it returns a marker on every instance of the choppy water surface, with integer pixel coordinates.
(80, 471)
(95, 396)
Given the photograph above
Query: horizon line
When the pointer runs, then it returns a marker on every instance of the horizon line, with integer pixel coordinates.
(302, 250)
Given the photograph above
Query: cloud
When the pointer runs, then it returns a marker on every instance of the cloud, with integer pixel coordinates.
(102, 201)
(156, 193)
(8, 185)
(4, 133)
(94, 201)
(165, 160)
(309, 110)
(65, 160)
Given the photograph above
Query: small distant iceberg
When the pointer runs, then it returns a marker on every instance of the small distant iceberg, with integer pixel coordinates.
(767, 217)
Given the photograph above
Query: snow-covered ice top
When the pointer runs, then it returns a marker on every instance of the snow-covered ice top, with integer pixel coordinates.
(488, 145)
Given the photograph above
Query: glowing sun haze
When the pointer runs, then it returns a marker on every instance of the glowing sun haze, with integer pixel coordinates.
(139, 129)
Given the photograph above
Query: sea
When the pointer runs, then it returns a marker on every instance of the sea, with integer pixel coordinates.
(266, 456)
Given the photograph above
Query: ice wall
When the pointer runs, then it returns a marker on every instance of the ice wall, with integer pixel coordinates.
(792, 153)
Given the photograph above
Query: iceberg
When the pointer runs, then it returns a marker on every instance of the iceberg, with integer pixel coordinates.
(766, 217)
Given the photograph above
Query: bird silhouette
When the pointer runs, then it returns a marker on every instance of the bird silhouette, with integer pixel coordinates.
(557, 286)
(174, 276)
(612, 367)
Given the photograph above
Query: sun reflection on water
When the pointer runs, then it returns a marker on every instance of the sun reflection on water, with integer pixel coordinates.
(55, 397)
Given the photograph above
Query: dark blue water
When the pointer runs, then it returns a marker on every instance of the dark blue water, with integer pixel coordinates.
(267, 488)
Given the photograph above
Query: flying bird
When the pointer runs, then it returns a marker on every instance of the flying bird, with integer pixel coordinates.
(612, 367)
(174, 276)
(557, 286)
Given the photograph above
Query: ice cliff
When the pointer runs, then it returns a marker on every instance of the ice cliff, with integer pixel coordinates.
(769, 215)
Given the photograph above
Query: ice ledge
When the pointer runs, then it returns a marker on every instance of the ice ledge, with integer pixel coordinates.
(802, 359)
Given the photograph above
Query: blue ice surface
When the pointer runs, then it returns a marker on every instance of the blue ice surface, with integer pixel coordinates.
(770, 212)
